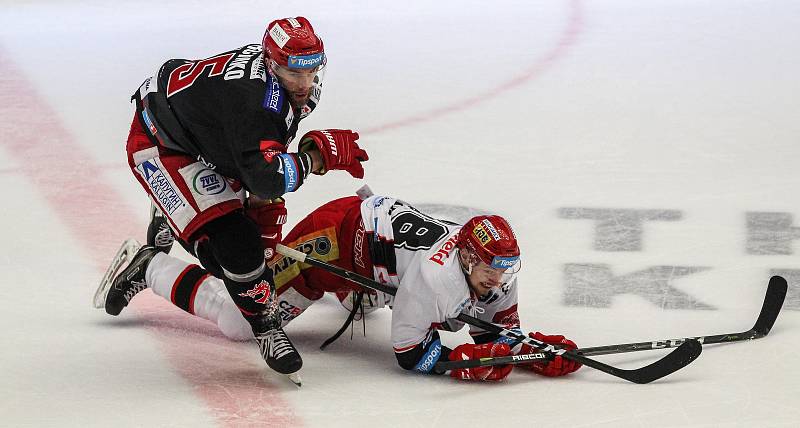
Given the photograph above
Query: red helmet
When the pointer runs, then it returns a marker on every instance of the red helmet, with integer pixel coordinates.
(292, 43)
(491, 239)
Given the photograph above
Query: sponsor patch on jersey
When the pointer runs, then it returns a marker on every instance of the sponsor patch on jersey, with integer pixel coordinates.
(270, 149)
(426, 363)
(480, 232)
(377, 202)
(305, 61)
(149, 122)
(443, 252)
(148, 86)
(305, 111)
(320, 244)
(290, 172)
(358, 246)
(278, 36)
(257, 70)
(207, 187)
(291, 304)
(273, 99)
(288, 311)
(208, 182)
(161, 187)
(463, 305)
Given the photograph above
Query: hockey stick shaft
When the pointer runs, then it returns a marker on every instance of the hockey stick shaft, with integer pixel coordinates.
(771, 307)
(493, 361)
(773, 301)
(677, 359)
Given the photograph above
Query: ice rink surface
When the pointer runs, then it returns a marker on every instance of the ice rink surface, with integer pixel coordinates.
(645, 152)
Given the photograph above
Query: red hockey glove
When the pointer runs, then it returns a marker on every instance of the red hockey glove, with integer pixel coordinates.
(338, 149)
(558, 366)
(470, 351)
(270, 216)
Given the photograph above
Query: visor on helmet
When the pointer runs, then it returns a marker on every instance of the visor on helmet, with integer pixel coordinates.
(300, 76)
(506, 267)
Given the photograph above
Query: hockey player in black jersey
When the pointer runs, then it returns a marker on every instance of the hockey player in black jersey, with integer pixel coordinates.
(207, 133)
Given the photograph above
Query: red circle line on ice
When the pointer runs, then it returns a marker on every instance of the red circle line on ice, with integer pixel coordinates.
(567, 38)
(54, 149)
(231, 381)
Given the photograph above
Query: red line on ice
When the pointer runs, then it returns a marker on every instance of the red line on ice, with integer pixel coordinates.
(229, 377)
(566, 40)
(225, 375)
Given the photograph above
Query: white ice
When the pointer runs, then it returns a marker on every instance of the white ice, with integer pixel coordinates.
(519, 107)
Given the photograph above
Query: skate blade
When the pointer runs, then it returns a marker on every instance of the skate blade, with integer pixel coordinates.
(295, 378)
(121, 259)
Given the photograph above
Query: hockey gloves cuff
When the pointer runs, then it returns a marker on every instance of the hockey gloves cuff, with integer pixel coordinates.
(270, 216)
(338, 149)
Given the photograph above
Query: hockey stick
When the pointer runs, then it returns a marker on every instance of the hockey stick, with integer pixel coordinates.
(773, 301)
(675, 360)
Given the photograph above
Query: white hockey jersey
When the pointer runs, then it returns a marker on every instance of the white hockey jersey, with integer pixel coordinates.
(417, 254)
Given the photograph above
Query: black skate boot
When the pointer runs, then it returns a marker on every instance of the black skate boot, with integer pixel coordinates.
(159, 234)
(276, 348)
(129, 281)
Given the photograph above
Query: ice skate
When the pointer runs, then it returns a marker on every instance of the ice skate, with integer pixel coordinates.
(119, 284)
(277, 350)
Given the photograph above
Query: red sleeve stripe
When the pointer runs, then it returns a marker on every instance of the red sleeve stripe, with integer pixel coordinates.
(405, 348)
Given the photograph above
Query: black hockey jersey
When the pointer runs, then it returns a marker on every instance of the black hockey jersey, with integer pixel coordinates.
(229, 113)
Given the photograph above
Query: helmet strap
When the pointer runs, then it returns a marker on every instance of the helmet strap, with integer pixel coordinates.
(467, 270)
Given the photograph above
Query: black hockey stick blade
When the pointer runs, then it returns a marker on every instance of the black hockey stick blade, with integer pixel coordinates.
(773, 302)
(682, 356)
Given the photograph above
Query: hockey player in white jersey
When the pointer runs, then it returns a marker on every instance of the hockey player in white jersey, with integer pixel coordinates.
(439, 269)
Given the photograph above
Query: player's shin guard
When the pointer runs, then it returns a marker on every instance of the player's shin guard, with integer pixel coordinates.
(255, 295)
(234, 242)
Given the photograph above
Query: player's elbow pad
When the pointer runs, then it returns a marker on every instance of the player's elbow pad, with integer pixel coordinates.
(407, 360)
(284, 174)
(421, 358)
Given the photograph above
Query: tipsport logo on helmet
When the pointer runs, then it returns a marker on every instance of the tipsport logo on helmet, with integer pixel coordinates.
(306, 61)
(504, 262)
